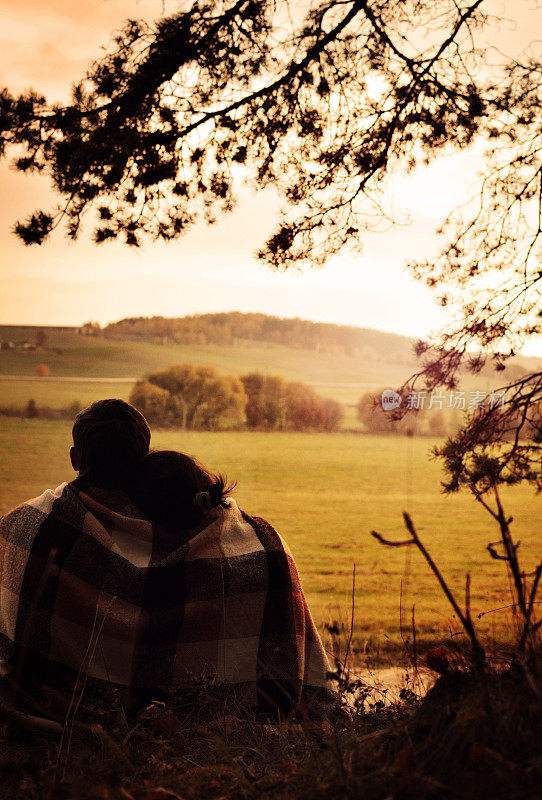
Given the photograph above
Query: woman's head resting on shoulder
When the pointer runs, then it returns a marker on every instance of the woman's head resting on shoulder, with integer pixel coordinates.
(173, 489)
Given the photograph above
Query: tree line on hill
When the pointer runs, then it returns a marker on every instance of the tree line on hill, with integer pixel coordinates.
(234, 327)
(200, 398)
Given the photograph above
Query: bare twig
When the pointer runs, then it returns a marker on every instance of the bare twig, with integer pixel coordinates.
(351, 618)
(466, 621)
(534, 587)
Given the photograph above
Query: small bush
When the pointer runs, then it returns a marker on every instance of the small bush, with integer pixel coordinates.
(31, 411)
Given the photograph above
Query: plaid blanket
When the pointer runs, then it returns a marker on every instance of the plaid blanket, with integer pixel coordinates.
(89, 588)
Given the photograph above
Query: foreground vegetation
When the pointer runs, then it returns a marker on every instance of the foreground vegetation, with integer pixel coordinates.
(325, 493)
(471, 737)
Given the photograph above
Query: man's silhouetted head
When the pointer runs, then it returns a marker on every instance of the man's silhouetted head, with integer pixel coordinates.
(109, 439)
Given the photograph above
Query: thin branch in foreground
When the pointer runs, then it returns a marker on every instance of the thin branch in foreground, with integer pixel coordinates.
(351, 619)
(466, 621)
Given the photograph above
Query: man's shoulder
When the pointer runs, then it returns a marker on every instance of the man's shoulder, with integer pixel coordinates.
(51, 501)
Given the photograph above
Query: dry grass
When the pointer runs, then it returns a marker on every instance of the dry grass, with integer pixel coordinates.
(471, 737)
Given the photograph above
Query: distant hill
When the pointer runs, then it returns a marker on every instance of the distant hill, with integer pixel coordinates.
(236, 328)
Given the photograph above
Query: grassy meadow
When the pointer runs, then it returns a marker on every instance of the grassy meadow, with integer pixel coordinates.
(325, 493)
(56, 393)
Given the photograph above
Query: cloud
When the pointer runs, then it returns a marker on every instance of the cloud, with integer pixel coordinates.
(49, 45)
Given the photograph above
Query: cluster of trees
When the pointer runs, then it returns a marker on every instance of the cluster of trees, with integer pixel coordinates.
(231, 328)
(90, 328)
(275, 404)
(193, 397)
(199, 397)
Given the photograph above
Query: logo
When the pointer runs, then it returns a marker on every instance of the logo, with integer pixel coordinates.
(391, 399)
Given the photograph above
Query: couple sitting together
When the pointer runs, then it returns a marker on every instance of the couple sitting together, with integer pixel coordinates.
(143, 574)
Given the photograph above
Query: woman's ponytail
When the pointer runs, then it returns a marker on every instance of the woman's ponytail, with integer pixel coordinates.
(174, 489)
(214, 496)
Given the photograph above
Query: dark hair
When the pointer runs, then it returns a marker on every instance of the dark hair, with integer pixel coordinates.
(166, 486)
(111, 436)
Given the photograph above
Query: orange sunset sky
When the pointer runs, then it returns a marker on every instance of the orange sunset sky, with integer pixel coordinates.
(47, 45)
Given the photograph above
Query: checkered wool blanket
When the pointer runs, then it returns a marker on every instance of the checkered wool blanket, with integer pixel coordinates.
(90, 589)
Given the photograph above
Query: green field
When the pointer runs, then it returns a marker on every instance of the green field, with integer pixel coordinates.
(324, 493)
(59, 393)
